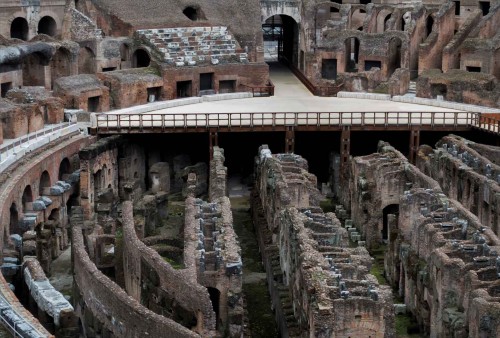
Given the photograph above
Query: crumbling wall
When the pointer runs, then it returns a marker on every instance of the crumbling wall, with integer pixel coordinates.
(310, 250)
(218, 176)
(148, 276)
(467, 176)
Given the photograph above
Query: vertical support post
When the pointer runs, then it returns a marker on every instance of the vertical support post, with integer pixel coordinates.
(289, 140)
(414, 144)
(213, 136)
(345, 148)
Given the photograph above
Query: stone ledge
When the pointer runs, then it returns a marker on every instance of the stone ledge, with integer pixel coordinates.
(369, 96)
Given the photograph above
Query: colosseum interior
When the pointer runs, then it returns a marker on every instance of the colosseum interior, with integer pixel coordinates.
(287, 168)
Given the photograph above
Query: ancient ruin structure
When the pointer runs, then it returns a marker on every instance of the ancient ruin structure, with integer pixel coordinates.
(116, 215)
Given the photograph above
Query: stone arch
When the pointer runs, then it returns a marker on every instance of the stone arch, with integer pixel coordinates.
(193, 13)
(60, 64)
(86, 61)
(45, 183)
(268, 12)
(383, 18)
(19, 29)
(14, 219)
(288, 39)
(395, 54)
(352, 46)
(140, 58)
(64, 168)
(357, 18)
(215, 298)
(27, 198)
(48, 26)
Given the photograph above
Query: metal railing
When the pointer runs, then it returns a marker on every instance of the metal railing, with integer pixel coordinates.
(33, 136)
(7, 318)
(122, 123)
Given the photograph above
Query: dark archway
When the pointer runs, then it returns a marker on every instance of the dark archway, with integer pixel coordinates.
(386, 20)
(351, 46)
(27, 198)
(14, 219)
(191, 13)
(64, 169)
(86, 61)
(140, 59)
(215, 299)
(19, 29)
(390, 209)
(60, 65)
(282, 32)
(394, 54)
(44, 182)
(429, 23)
(48, 26)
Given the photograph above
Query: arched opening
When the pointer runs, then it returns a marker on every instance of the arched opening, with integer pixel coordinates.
(27, 198)
(60, 65)
(14, 219)
(86, 61)
(357, 18)
(429, 23)
(64, 169)
(44, 183)
(394, 54)
(386, 22)
(391, 209)
(48, 26)
(140, 59)
(351, 54)
(34, 70)
(98, 182)
(191, 13)
(19, 29)
(281, 36)
(215, 299)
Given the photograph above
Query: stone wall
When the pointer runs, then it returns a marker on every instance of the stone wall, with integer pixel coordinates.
(110, 305)
(146, 273)
(307, 252)
(465, 175)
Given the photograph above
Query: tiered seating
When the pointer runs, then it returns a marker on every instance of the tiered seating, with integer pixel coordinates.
(192, 46)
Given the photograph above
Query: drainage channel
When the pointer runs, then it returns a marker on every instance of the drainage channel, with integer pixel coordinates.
(260, 317)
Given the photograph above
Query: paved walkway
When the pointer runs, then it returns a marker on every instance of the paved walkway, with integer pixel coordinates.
(292, 96)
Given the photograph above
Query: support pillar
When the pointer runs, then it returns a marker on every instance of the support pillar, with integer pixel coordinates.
(345, 148)
(213, 141)
(289, 140)
(414, 144)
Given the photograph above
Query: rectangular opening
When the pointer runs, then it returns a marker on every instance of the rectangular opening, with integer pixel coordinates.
(227, 86)
(369, 64)
(439, 89)
(457, 7)
(334, 10)
(473, 69)
(184, 89)
(93, 104)
(5, 87)
(364, 2)
(485, 7)
(329, 69)
(108, 69)
(153, 94)
(206, 81)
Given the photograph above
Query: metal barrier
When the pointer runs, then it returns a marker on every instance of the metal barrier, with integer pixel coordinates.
(9, 315)
(171, 122)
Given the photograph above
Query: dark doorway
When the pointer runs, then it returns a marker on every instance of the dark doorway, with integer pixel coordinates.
(184, 89)
(439, 89)
(329, 69)
(390, 209)
(206, 81)
(19, 29)
(27, 198)
(108, 69)
(44, 183)
(215, 298)
(428, 25)
(473, 69)
(485, 7)
(14, 220)
(64, 169)
(4, 88)
(153, 94)
(47, 26)
(352, 54)
(191, 13)
(93, 104)
(282, 32)
(140, 59)
(227, 86)
(457, 7)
